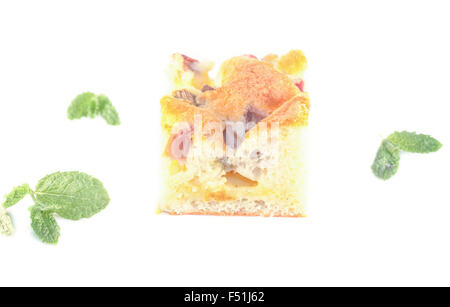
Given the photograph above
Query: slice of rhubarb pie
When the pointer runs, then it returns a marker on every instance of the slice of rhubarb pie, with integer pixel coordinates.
(235, 145)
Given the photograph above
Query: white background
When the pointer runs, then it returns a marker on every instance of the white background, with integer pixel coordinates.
(374, 67)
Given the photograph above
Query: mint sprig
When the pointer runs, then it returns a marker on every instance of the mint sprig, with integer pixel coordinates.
(387, 159)
(70, 195)
(90, 105)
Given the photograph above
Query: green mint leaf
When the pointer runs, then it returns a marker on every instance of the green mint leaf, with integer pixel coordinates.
(72, 195)
(416, 143)
(84, 105)
(6, 226)
(107, 111)
(44, 225)
(388, 156)
(16, 195)
(90, 105)
(386, 161)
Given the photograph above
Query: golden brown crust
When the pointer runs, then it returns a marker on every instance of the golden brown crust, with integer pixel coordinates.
(247, 81)
(179, 110)
(246, 84)
(271, 59)
(294, 112)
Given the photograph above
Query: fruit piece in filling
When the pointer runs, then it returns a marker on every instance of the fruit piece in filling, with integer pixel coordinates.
(186, 72)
